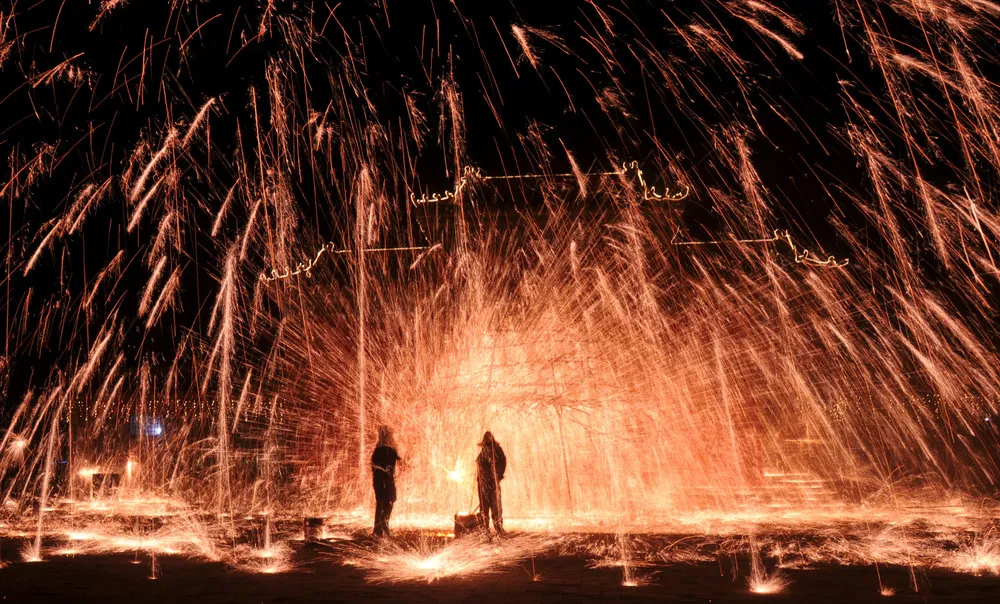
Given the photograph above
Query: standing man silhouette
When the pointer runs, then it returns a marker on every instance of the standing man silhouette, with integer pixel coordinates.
(491, 465)
(384, 460)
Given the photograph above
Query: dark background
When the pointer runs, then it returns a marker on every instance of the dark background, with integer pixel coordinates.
(179, 54)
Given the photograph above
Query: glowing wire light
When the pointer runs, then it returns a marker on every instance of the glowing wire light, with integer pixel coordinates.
(469, 174)
(802, 255)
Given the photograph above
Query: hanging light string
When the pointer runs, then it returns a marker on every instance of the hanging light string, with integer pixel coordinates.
(471, 173)
(305, 268)
(802, 255)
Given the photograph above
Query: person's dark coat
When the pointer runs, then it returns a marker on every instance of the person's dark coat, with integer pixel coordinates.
(490, 467)
(384, 460)
(491, 463)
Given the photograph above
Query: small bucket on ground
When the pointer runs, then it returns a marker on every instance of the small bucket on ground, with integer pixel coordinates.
(312, 529)
(468, 523)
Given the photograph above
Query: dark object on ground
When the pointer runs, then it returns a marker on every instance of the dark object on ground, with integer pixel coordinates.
(312, 528)
(468, 523)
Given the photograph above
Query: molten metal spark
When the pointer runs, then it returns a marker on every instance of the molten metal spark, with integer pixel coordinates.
(466, 557)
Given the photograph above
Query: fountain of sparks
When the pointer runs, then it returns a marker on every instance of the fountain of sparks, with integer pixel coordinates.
(642, 374)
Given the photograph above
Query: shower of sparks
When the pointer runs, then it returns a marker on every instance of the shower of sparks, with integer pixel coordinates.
(424, 562)
(768, 584)
(215, 292)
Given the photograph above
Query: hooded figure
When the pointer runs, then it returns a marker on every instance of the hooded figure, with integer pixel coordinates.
(384, 460)
(491, 465)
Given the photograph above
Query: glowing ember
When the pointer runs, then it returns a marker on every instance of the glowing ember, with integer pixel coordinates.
(768, 584)
(981, 557)
(31, 553)
(468, 557)
(457, 474)
(80, 536)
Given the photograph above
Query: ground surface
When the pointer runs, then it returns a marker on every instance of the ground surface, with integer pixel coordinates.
(320, 577)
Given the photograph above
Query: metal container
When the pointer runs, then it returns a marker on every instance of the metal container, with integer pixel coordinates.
(468, 523)
(312, 529)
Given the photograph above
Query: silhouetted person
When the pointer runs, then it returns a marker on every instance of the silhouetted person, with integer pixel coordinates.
(384, 460)
(491, 465)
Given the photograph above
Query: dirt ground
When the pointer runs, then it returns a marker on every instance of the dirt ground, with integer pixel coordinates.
(319, 577)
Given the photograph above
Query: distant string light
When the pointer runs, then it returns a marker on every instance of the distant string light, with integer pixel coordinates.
(649, 193)
(327, 248)
(470, 173)
(802, 255)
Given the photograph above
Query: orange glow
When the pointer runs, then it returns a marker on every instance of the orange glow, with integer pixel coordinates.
(773, 584)
(676, 368)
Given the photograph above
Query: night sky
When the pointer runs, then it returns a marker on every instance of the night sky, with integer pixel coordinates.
(147, 64)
